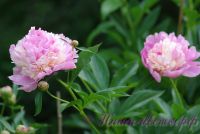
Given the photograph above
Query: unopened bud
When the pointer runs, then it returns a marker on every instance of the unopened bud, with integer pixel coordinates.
(5, 132)
(43, 86)
(74, 43)
(21, 129)
(6, 92)
(12, 100)
(31, 130)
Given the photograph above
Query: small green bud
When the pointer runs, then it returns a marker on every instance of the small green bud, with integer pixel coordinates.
(5, 132)
(6, 92)
(31, 130)
(12, 100)
(43, 86)
(21, 129)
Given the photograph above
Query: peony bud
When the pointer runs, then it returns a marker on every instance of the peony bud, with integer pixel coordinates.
(31, 130)
(43, 86)
(75, 43)
(21, 129)
(5, 132)
(12, 100)
(6, 92)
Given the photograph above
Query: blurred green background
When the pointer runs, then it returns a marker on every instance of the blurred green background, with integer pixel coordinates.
(120, 26)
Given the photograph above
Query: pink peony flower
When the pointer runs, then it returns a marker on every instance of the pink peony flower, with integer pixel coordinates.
(170, 56)
(39, 54)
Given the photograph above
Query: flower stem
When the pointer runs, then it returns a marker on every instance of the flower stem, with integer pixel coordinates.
(3, 109)
(174, 87)
(89, 122)
(180, 18)
(71, 93)
(90, 91)
(82, 112)
(59, 114)
(57, 98)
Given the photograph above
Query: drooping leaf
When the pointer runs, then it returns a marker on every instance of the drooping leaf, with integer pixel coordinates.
(38, 103)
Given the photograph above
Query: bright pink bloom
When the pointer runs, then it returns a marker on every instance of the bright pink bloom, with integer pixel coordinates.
(170, 56)
(39, 54)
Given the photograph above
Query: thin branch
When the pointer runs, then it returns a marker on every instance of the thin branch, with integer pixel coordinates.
(59, 114)
(180, 18)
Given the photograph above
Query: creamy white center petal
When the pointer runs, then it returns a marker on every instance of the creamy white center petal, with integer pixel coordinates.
(166, 55)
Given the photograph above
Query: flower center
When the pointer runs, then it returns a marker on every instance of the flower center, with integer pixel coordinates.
(166, 55)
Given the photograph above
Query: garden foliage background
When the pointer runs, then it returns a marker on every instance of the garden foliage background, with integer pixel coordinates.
(121, 27)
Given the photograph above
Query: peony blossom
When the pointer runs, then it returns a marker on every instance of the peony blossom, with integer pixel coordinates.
(39, 54)
(169, 55)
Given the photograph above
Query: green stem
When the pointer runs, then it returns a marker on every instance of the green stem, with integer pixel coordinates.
(55, 97)
(3, 109)
(177, 92)
(71, 92)
(89, 122)
(180, 17)
(67, 76)
(90, 91)
(81, 111)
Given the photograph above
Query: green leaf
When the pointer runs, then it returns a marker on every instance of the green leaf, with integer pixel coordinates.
(177, 111)
(77, 102)
(101, 28)
(122, 76)
(147, 4)
(109, 6)
(114, 92)
(38, 103)
(138, 99)
(96, 74)
(100, 71)
(113, 106)
(63, 106)
(164, 107)
(92, 98)
(19, 116)
(6, 125)
(149, 21)
(84, 59)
